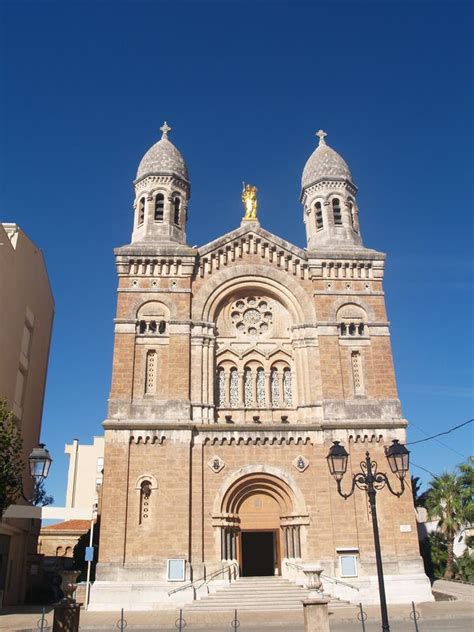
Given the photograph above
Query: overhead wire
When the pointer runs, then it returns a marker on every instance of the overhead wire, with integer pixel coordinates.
(445, 445)
(440, 434)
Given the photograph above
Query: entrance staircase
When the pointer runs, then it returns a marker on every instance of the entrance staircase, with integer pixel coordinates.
(256, 593)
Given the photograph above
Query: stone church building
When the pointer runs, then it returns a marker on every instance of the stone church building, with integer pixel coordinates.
(236, 365)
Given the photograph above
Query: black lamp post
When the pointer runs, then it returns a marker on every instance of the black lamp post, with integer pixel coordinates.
(371, 481)
(39, 462)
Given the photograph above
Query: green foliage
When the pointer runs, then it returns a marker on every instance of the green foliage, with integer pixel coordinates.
(11, 461)
(418, 499)
(465, 567)
(434, 550)
(449, 500)
(41, 498)
(466, 478)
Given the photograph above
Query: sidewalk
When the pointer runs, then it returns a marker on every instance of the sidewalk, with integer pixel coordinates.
(25, 618)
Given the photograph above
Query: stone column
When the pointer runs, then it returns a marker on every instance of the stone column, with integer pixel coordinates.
(268, 390)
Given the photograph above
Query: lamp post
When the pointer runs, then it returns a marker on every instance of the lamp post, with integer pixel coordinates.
(39, 462)
(371, 481)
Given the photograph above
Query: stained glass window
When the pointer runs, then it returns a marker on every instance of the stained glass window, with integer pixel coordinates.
(287, 388)
(221, 387)
(275, 388)
(234, 388)
(248, 391)
(260, 387)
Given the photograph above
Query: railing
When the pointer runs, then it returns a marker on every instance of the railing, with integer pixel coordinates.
(232, 571)
(334, 580)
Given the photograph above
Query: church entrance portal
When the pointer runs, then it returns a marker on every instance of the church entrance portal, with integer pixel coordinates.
(258, 552)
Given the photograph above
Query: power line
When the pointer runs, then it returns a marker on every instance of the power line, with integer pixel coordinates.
(440, 434)
(445, 445)
(424, 469)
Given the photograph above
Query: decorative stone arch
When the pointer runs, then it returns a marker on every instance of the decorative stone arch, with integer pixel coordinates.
(283, 516)
(350, 300)
(281, 285)
(146, 308)
(146, 477)
(275, 480)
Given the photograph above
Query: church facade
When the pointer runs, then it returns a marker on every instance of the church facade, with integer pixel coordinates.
(236, 365)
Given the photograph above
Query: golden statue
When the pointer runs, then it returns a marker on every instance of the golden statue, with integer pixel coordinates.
(249, 200)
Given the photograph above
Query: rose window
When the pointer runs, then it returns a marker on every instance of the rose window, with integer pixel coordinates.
(252, 315)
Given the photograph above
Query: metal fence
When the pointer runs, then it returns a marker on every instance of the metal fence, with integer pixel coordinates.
(44, 623)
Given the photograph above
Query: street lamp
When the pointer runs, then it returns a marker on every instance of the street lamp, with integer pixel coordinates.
(39, 462)
(371, 481)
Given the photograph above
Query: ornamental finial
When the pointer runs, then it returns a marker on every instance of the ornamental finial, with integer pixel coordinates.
(322, 134)
(165, 128)
(249, 200)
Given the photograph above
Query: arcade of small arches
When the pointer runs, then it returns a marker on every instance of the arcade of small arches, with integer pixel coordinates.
(157, 203)
(334, 205)
(254, 386)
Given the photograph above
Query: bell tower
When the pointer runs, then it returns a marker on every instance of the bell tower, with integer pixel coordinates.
(162, 192)
(328, 196)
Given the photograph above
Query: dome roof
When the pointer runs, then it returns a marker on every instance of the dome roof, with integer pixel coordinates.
(324, 162)
(163, 157)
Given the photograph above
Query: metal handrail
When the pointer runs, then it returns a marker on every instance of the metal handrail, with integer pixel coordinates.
(206, 579)
(331, 579)
(339, 581)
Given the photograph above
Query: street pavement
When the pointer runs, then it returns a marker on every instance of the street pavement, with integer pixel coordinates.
(444, 616)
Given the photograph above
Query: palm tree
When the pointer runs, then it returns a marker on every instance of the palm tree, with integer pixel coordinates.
(446, 502)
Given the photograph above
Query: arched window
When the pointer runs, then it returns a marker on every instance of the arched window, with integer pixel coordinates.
(151, 370)
(68, 551)
(159, 207)
(336, 210)
(357, 376)
(319, 215)
(287, 388)
(260, 388)
(275, 388)
(145, 493)
(248, 390)
(221, 386)
(59, 551)
(141, 211)
(177, 207)
(234, 388)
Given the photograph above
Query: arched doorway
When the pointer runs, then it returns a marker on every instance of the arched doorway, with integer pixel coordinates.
(257, 513)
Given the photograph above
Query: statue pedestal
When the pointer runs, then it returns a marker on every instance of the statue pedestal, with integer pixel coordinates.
(66, 616)
(316, 617)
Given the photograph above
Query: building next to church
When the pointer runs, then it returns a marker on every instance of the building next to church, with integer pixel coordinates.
(26, 319)
(236, 365)
(84, 481)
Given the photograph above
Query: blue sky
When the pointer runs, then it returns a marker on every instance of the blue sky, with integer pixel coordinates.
(86, 86)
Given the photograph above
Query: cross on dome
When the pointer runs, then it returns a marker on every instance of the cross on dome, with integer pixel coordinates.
(165, 128)
(322, 134)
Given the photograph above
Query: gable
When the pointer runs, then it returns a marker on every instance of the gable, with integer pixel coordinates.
(250, 241)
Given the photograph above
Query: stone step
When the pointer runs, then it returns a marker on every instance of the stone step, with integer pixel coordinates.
(256, 593)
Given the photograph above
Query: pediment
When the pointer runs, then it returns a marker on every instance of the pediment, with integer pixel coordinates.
(251, 230)
(248, 240)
